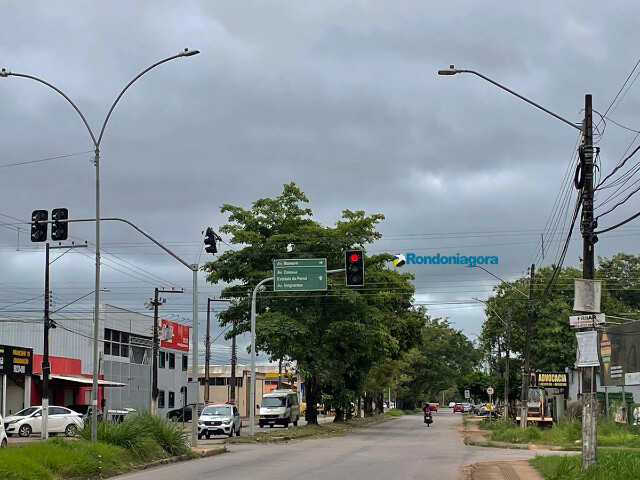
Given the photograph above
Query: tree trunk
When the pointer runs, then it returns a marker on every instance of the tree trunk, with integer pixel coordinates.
(339, 418)
(311, 415)
(368, 405)
(349, 412)
(359, 406)
(380, 403)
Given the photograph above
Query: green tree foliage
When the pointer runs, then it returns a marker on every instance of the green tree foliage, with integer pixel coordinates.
(553, 344)
(336, 336)
(621, 275)
(440, 362)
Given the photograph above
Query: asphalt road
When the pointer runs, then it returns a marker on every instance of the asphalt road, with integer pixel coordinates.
(403, 448)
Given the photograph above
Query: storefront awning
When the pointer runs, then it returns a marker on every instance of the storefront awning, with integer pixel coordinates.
(85, 380)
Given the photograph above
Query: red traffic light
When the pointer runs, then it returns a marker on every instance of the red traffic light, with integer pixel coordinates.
(354, 257)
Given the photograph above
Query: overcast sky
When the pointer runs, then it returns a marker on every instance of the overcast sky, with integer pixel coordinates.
(317, 93)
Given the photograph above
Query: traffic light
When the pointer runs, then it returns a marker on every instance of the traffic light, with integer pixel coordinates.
(59, 230)
(354, 268)
(210, 239)
(39, 225)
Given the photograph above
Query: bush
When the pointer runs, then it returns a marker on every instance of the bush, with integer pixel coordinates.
(513, 434)
(144, 435)
(395, 413)
(574, 410)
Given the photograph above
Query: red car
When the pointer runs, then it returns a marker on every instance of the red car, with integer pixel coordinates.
(458, 408)
(433, 406)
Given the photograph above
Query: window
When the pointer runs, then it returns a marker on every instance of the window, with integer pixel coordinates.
(172, 361)
(172, 399)
(116, 343)
(161, 399)
(161, 359)
(58, 411)
(185, 363)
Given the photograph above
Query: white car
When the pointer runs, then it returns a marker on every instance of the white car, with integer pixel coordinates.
(452, 404)
(29, 420)
(3, 434)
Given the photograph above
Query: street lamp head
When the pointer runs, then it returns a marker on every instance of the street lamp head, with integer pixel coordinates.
(449, 71)
(4, 72)
(190, 53)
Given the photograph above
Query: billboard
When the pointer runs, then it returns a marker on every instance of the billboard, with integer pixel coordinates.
(549, 379)
(178, 337)
(16, 360)
(619, 350)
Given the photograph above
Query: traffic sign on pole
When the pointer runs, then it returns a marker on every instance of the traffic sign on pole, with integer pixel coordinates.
(299, 275)
(490, 390)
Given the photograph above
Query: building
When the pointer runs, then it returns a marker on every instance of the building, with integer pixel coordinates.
(220, 384)
(125, 349)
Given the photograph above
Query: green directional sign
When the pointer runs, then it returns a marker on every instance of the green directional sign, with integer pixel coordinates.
(299, 274)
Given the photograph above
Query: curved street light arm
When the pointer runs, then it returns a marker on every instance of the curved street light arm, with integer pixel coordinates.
(186, 53)
(75, 107)
(503, 281)
(453, 71)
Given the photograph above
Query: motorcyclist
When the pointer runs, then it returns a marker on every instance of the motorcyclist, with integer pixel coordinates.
(428, 418)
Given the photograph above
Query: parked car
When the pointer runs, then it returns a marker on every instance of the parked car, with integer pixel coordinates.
(433, 406)
(180, 415)
(222, 419)
(85, 411)
(3, 434)
(176, 415)
(452, 404)
(466, 407)
(458, 408)
(29, 420)
(279, 407)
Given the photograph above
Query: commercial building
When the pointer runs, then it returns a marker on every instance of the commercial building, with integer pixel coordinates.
(220, 384)
(125, 347)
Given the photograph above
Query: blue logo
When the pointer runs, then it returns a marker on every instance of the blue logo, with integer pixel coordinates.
(457, 259)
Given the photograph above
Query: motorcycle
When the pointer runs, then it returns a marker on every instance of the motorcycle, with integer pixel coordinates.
(428, 419)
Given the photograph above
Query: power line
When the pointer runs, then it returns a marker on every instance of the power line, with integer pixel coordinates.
(6, 165)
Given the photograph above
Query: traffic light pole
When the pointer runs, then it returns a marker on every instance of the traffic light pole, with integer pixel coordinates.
(46, 368)
(252, 387)
(48, 324)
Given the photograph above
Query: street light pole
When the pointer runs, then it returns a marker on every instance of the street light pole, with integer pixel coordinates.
(96, 143)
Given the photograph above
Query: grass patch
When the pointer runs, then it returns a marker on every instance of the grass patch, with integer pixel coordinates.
(567, 433)
(140, 439)
(398, 413)
(58, 458)
(310, 431)
(611, 465)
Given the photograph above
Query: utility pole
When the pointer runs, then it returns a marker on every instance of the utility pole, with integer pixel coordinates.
(587, 226)
(234, 360)
(46, 367)
(506, 369)
(524, 396)
(207, 355)
(155, 303)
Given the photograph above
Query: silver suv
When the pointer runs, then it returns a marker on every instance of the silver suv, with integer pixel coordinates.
(220, 419)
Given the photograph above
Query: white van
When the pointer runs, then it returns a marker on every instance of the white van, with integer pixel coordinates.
(279, 407)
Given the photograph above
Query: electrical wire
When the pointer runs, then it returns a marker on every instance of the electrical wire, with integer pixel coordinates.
(6, 165)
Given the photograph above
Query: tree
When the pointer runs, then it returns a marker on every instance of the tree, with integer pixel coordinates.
(621, 275)
(335, 336)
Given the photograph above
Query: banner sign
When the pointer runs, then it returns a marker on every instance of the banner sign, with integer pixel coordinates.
(16, 360)
(550, 379)
(587, 294)
(590, 320)
(619, 349)
(587, 349)
(179, 335)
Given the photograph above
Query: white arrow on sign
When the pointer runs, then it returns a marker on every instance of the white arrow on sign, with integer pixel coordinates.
(320, 277)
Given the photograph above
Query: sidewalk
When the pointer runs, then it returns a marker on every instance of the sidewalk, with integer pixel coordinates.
(520, 470)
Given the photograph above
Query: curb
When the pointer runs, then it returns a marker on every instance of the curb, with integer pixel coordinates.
(182, 458)
(468, 440)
